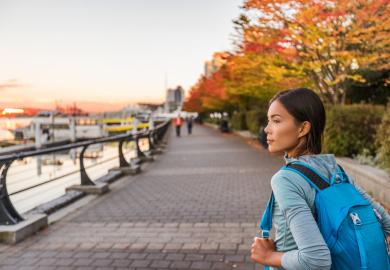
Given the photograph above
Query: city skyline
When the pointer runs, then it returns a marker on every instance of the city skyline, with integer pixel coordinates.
(99, 53)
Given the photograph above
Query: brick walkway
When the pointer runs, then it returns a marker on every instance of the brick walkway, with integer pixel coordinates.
(195, 207)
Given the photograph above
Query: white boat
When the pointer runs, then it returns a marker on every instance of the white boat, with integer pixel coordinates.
(58, 128)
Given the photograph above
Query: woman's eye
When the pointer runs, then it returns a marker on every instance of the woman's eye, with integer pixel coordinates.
(273, 121)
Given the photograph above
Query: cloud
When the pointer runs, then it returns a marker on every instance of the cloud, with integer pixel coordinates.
(13, 83)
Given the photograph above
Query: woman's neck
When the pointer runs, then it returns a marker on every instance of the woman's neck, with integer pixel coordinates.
(295, 154)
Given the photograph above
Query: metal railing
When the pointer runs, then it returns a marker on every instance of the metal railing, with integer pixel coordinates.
(8, 213)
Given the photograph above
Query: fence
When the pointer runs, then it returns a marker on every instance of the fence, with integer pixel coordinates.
(9, 215)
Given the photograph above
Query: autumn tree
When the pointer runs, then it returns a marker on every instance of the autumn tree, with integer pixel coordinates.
(332, 39)
(208, 94)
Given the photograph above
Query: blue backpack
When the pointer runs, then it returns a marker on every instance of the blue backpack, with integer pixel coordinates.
(349, 225)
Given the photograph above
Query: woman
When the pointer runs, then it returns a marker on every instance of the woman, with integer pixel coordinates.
(296, 121)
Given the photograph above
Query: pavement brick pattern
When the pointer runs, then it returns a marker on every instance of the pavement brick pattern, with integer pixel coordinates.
(195, 207)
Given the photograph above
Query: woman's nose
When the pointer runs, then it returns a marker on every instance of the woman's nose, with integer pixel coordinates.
(266, 129)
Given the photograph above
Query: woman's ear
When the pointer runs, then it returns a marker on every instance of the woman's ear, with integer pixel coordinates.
(304, 129)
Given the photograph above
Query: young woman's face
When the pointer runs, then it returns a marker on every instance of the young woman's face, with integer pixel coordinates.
(283, 132)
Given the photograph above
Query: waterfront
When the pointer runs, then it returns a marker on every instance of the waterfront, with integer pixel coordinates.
(57, 171)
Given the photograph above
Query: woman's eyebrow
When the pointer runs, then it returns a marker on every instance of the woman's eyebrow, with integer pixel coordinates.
(276, 115)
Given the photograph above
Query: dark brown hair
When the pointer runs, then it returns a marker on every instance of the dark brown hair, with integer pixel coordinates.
(305, 105)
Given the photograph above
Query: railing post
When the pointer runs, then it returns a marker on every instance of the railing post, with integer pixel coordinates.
(132, 167)
(87, 185)
(160, 134)
(155, 137)
(135, 162)
(85, 180)
(140, 154)
(8, 214)
(134, 132)
(122, 161)
(151, 131)
(152, 145)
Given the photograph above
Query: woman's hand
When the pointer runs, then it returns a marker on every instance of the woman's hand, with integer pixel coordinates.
(262, 250)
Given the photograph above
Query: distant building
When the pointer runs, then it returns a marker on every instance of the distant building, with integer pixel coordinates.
(174, 99)
(219, 59)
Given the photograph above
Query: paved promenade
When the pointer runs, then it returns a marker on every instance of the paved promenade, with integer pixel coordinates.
(195, 207)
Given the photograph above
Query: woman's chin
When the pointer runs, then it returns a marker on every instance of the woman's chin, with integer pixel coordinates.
(274, 150)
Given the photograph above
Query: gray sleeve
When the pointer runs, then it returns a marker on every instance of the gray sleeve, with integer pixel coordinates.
(312, 252)
(383, 213)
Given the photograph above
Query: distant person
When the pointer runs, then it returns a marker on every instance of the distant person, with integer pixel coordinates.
(178, 121)
(224, 123)
(189, 121)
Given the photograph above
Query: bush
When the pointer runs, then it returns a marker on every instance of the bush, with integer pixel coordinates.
(255, 119)
(210, 120)
(351, 129)
(383, 140)
(238, 121)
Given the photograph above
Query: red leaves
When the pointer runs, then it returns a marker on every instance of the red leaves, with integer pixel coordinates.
(208, 94)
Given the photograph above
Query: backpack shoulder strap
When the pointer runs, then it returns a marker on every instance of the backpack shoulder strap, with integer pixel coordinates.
(345, 175)
(265, 224)
(309, 174)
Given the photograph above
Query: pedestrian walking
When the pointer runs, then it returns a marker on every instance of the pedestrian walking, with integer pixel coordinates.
(189, 122)
(178, 121)
(322, 219)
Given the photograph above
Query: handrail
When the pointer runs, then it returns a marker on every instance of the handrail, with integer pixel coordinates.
(49, 150)
(8, 214)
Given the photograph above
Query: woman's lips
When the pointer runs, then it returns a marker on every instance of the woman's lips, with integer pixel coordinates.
(270, 141)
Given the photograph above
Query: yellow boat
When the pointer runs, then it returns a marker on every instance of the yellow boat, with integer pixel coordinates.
(124, 128)
(116, 125)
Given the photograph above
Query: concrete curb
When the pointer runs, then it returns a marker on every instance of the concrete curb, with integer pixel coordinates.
(127, 171)
(98, 188)
(12, 234)
(56, 204)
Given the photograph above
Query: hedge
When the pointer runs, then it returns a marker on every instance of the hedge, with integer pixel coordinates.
(255, 119)
(383, 140)
(351, 129)
(238, 121)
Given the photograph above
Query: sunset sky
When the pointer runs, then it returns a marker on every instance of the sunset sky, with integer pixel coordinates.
(102, 53)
